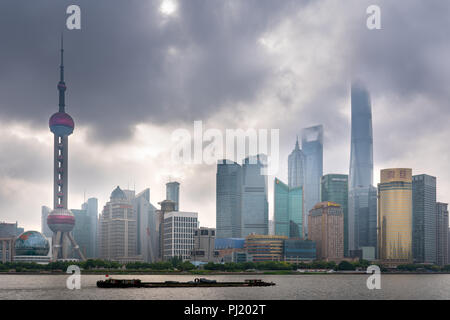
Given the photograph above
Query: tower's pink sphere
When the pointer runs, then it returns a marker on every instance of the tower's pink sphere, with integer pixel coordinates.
(61, 124)
(61, 220)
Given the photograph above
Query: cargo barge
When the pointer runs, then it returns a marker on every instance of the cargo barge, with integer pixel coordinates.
(202, 282)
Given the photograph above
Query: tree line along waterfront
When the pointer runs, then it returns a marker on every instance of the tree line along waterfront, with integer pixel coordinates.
(176, 265)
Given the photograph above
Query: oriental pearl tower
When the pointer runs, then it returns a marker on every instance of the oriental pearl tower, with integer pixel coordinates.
(61, 221)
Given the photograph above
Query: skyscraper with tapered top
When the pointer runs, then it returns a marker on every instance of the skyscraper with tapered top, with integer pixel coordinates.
(296, 167)
(312, 146)
(362, 195)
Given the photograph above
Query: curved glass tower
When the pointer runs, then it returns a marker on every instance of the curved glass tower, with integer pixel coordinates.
(362, 214)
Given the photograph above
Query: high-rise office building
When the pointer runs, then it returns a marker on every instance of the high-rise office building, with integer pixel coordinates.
(255, 206)
(296, 167)
(45, 230)
(117, 229)
(448, 246)
(424, 218)
(91, 207)
(395, 216)
(326, 228)
(82, 232)
(442, 234)
(312, 146)
(288, 210)
(334, 188)
(166, 207)
(179, 230)
(362, 197)
(173, 193)
(228, 199)
(146, 227)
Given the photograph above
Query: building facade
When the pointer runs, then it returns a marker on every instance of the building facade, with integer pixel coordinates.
(334, 188)
(147, 235)
(442, 234)
(265, 247)
(424, 218)
(296, 167)
(82, 233)
(326, 229)
(288, 210)
(166, 207)
(298, 250)
(45, 230)
(395, 219)
(179, 230)
(312, 146)
(362, 202)
(91, 207)
(255, 206)
(8, 234)
(117, 229)
(173, 193)
(228, 199)
(204, 245)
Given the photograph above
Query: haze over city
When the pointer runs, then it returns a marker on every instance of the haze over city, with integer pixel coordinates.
(135, 73)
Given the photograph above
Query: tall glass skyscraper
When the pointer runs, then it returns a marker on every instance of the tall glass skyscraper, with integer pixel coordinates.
(288, 210)
(228, 199)
(362, 202)
(296, 167)
(82, 232)
(334, 188)
(173, 193)
(395, 216)
(91, 207)
(312, 145)
(424, 218)
(255, 205)
(146, 220)
(442, 234)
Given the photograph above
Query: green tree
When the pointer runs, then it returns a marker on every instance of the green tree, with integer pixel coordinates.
(345, 265)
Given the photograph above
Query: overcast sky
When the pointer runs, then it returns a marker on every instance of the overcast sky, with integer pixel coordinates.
(138, 70)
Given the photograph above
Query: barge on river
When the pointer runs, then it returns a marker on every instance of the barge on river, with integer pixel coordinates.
(202, 282)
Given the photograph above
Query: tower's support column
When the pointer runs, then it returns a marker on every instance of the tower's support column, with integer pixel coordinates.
(56, 245)
(76, 246)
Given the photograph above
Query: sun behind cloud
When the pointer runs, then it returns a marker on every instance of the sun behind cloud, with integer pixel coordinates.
(168, 7)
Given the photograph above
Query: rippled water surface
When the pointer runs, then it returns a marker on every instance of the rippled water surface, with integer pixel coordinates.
(290, 287)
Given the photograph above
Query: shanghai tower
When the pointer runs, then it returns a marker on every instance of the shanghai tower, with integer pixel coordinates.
(61, 220)
(362, 215)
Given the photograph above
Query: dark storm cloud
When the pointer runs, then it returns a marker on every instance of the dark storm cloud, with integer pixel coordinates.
(118, 68)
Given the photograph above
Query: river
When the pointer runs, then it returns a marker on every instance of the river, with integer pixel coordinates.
(288, 287)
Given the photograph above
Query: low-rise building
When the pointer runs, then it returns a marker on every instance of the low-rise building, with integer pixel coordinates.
(265, 247)
(298, 250)
(204, 245)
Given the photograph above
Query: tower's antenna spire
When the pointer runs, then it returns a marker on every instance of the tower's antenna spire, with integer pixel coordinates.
(61, 84)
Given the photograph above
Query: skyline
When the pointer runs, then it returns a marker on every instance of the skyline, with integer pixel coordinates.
(101, 160)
